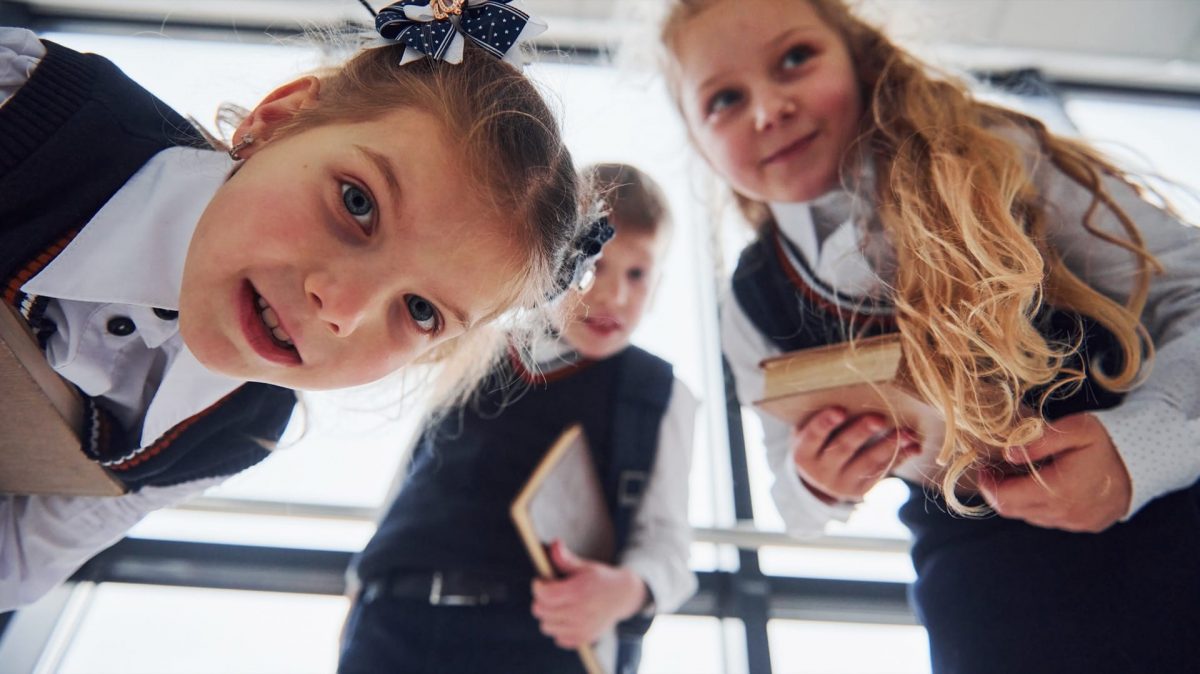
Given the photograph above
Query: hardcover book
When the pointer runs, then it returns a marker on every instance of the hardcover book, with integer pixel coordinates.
(862, 376)
(564, 499)
(40, 422)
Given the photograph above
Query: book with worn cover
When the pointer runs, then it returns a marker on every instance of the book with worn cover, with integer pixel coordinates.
(862, 376)
(564, 499)
(40, 421)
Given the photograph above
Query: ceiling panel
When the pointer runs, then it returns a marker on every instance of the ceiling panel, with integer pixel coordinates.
(1110, 41)
(1141, 28)
(960, 21)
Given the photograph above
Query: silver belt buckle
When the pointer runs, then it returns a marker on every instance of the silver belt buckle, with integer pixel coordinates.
(436, 598)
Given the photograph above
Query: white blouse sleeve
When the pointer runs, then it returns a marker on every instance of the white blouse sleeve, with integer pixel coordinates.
(804, 515)
(661, 537)
(1155, 428)
(20, 53)
(44, 539)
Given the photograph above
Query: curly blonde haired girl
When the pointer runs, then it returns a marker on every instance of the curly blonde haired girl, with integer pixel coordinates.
(1028, 278)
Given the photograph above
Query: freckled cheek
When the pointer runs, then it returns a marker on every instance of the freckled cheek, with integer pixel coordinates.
(840, 106)
(730, 154)
(283, 218)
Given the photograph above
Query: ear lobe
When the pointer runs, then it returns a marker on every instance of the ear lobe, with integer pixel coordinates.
(279, 107)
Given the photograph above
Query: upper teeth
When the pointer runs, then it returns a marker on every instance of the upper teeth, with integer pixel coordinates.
(272, 321)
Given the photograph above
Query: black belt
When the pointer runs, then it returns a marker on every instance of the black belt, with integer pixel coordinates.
(447, 588)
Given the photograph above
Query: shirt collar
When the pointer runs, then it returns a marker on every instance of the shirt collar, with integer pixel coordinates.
(550, 352)
(187, 388)
(830, 232)
(133, 250)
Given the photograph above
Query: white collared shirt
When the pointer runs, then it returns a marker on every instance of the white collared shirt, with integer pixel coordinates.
(125, 263)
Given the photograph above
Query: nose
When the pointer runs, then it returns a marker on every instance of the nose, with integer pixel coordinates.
(772, 110)
(609, 291)
(341, 302)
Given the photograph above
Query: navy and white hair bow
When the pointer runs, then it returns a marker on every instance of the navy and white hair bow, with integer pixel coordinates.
(579, 269)
(439, 28)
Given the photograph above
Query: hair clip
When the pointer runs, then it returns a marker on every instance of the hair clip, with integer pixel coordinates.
(439, 28)
(579, 272)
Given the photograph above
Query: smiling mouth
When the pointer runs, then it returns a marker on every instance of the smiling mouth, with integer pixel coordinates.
(271, 320)
(790, 150)
(264, 331)
(602, 325)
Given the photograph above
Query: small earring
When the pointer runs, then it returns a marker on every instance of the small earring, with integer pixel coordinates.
(234, 152)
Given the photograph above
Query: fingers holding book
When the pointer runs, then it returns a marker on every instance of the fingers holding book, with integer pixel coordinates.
(840, 458)
(586, 600)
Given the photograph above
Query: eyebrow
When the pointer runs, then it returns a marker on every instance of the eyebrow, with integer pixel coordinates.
(386, 169)
(460, 316)
(788, 35)
(785, 36)
(707, 83)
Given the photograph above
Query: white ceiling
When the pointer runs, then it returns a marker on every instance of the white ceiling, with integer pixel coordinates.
(1162, 29)
(1123, 42)
(1153, 43)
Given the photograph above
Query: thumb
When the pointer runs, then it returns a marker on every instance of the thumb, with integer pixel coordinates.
(564, 560)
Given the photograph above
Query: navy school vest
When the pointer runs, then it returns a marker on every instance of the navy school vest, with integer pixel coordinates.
(998, 595)
(453, 510)
(69, 139)
(795, 310)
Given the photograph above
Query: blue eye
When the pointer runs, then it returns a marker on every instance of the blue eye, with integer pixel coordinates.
(423, 314)
(359, 205)
(796, 57)
(721, 100)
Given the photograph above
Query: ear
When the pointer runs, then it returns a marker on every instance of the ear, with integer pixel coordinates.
(279, 107)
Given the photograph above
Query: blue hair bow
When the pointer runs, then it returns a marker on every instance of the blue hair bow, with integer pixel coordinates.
(579, 269)
(437, 28)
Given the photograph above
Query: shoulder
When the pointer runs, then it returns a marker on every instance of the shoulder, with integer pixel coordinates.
(753, 256)
(97, 82)
(682, 400)
(634, 357)
(739, 333)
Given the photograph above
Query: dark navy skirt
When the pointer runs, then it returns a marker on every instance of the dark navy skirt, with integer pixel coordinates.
(1001, 596)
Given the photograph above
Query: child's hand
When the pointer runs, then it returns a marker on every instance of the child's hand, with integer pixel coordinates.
(591, 597)
(1089, 488)
(840, 460)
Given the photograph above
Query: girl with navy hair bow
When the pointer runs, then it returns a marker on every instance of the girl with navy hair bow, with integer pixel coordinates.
(373, 216)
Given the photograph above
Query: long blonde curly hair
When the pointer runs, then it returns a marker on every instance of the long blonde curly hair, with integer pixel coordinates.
(955, 194)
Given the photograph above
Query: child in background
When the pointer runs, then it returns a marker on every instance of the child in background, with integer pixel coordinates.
(1030, 284)
(446, 580)
(367, 218)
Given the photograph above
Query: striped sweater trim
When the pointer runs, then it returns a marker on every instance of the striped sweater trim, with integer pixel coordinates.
(542, 377)
(13, 295)
(143, 454)
(856, 310)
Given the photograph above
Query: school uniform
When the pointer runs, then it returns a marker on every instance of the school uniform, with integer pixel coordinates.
(101, 186)
(446, 579)
(999, 595)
